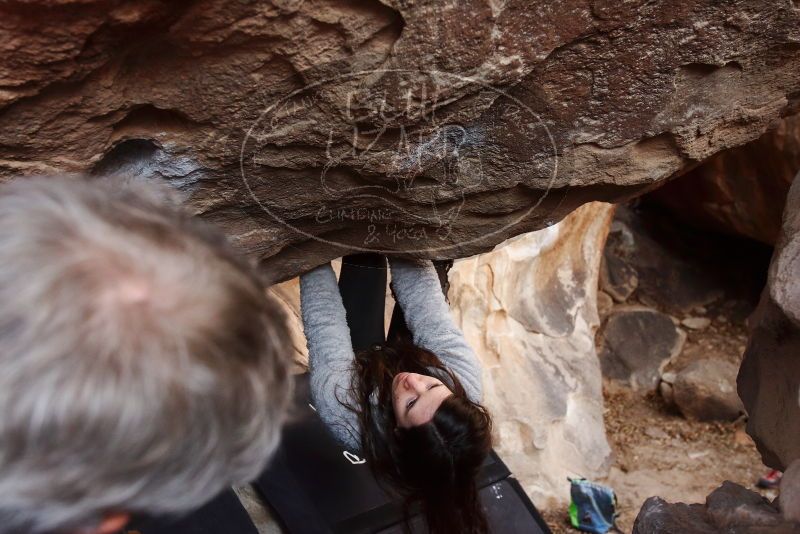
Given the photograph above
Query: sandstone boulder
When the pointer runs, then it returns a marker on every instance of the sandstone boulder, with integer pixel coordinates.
(706, 390)
(790, 492)
(618, 278)
(730, 509)
(604, 304)
(657, 516)
(311, 127)
(288, 296)
(738, 190)
(646, 260)
(635, 345)
(529, 310)
(769, 378)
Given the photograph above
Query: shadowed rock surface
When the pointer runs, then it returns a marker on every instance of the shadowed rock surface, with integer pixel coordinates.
(706, 390)
(648, 258)
(769, 378)
(636, 343)
(435, 129)
(740, 190)
(790, 492)
(730, 509)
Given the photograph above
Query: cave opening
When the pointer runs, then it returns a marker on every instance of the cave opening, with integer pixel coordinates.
(684, 270)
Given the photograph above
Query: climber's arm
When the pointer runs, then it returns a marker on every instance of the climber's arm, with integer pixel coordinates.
(417, 289)
(330, 353)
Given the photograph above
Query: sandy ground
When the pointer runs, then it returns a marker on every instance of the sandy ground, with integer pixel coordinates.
(659, 452)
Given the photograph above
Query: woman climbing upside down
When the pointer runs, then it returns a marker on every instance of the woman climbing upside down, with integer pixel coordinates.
(409, 405)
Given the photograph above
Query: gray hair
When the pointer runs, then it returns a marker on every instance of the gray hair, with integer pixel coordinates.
(142, 366)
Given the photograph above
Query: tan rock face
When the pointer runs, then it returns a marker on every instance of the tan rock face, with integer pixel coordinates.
(529, 308)
(438, 129)
(287, 294)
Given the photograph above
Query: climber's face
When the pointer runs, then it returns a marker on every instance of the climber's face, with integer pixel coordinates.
(416, 398)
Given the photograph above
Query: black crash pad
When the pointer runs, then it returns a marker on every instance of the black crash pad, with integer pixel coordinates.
(222, 515)
(314, 486)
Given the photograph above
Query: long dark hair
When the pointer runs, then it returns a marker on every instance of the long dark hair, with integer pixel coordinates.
(434, 464)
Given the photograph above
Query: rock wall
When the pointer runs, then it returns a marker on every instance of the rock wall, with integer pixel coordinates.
(730, 508)
(529, 309)
(769, 378)
(740, 190)
(437, 129)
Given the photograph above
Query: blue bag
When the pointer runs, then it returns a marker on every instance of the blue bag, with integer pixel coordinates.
(593, 507)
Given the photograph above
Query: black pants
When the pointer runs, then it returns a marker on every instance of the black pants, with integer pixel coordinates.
(362, 284)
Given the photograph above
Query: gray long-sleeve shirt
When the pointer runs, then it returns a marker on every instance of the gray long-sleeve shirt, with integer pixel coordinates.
(330, 352)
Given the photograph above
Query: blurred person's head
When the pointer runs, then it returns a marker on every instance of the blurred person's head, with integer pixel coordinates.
(141, 362)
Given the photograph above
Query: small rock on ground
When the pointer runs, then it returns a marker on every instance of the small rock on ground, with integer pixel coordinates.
(696, 323)
(636, 343)
(706, 390)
